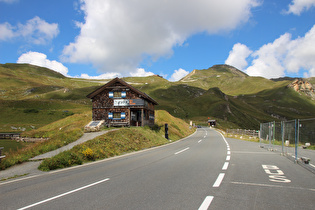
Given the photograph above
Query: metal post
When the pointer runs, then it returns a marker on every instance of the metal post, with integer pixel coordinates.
(282, 135)
(166, 130)
(296, 139)
(260, 132)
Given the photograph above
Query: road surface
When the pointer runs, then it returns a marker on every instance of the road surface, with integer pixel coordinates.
(203, 171)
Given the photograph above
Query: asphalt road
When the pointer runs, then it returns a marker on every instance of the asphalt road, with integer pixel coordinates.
(203, 171)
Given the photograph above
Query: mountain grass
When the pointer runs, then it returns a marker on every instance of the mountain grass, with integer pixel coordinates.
(60, 133)
(221, 92)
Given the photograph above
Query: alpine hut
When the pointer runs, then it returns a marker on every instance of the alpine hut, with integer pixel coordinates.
(119, 104)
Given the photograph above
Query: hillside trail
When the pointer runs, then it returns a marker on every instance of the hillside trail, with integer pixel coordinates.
(30, 168)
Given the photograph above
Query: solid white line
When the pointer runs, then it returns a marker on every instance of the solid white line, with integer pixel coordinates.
(275, 186)
(228, 157)
(206, 203)
(219, 180)
(181, 151)
(29, 177)
(61, 195)
(225, 166)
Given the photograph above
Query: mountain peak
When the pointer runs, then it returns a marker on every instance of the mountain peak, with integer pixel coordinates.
(228, 68)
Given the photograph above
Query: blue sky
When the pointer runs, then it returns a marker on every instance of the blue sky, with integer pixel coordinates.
(109, 38)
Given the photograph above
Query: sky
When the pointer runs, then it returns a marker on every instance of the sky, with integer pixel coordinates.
(102, 39)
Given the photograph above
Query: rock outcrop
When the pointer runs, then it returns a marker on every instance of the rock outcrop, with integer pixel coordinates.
(302, 86)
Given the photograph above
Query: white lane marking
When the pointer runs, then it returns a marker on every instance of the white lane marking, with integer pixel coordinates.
(228, 157)
(199, 141)
(61, 195)
(275, 174)
(219, 180)
(204, 137)
(270, 185)
(228, 149)
(206, 203)
(29, 177)
(228, 152)
(176, 153)
(225, 166)
(312, 165)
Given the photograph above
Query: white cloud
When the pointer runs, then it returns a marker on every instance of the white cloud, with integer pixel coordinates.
(6, 31)
(298, 6)
(36, 31)
(237, 56)
(178, 74)
(140, 72)
(268, 59)
(284, 55)
(102, 76)
(40, 59)
(118, 35)
(301, 54)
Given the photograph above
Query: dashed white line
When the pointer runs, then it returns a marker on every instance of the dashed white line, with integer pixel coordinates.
(228, 152)
(228, 157)
(206, 203)
(312, 165)
(219, 180)
(199, 141)
(225, 166)
(61, 195)
(176, 153)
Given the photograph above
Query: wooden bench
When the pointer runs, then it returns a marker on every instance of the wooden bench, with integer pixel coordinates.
(123, 124)
(1, 156)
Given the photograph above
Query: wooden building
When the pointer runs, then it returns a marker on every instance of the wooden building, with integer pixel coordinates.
(120, 104)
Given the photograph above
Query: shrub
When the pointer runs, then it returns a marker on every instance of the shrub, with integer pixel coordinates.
(62, 160)
(88, 154)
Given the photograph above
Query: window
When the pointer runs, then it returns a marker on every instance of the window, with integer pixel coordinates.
(117, 94)
(117, 115)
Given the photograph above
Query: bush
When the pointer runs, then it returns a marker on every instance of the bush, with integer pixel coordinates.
(88, 154)
(62, 160)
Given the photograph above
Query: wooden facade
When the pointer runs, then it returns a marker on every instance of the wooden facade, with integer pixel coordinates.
(120, 104)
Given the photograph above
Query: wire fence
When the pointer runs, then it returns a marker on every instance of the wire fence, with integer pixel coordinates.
(290, 137)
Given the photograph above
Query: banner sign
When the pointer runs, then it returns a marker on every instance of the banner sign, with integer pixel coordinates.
(128, 102)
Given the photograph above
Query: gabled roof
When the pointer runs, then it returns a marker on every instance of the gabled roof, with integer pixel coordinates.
(110, 83)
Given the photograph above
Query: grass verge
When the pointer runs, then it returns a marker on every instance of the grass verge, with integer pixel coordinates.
(120, 141)
(60, 133)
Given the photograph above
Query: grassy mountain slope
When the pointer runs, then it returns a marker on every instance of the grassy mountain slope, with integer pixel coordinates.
(230, 80)
(221, 92)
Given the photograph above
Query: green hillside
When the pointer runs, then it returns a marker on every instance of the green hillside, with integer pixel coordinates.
(32, 96)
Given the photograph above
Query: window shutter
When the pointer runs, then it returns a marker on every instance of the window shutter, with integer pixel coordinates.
(123, 115)
(110, 115)
(123, 94)
(111, 94)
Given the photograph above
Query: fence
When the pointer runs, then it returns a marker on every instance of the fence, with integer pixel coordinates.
(292, 136)
(243, 132)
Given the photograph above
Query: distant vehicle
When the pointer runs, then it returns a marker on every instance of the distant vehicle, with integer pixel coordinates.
(198, 126)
